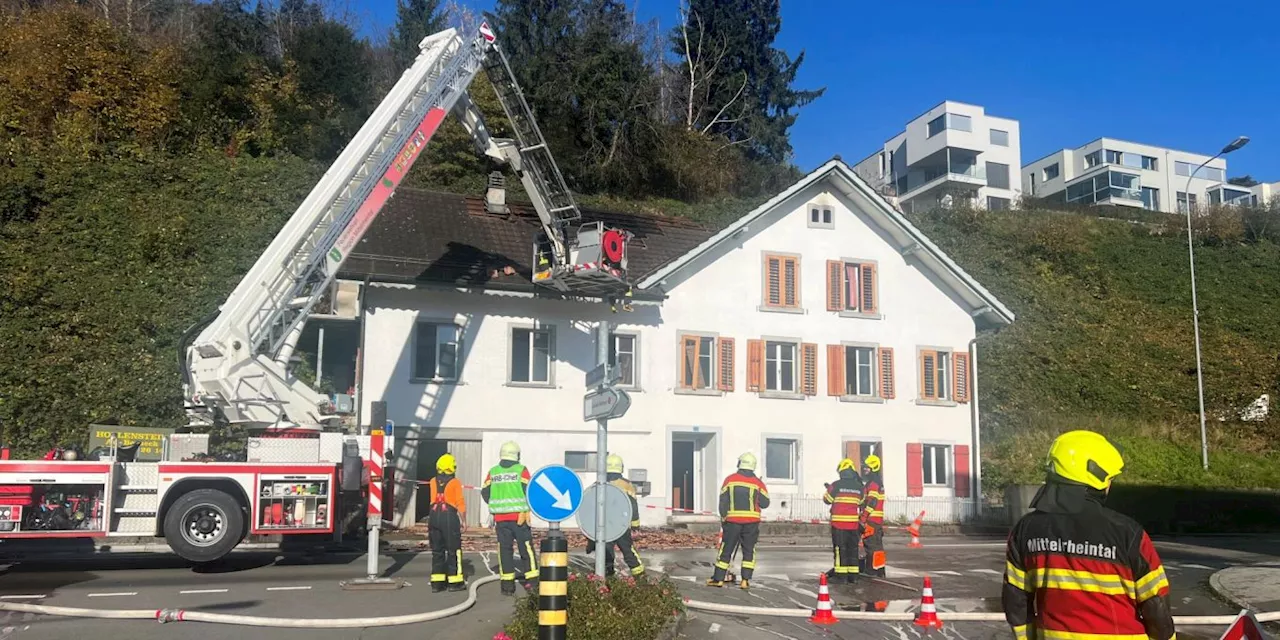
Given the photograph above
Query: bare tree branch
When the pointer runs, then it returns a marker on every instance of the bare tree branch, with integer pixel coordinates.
(717, 120)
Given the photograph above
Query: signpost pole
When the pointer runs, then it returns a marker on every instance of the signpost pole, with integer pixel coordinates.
(602, 448)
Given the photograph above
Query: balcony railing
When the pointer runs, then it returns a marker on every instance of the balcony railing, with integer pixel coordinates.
(920, 178)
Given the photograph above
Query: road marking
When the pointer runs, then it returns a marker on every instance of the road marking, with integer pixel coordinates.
(947, 573)
(22, 597)
(1197, 566)
(194, 591)
(715, 628)
(990, 571)
(288, 588)
(895, 572)
(112, 595)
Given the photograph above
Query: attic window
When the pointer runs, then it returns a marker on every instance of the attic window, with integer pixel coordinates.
(821, 217)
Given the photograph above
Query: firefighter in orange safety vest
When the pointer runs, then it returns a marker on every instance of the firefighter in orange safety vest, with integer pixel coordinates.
(446, 521)
(742, 496)
(1076, 569)
(872, 518)
(845, 497)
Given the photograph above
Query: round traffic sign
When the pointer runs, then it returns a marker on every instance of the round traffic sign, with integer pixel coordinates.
(554, 493)
(617, 512)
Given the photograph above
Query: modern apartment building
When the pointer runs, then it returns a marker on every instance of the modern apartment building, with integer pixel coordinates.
(1115, 172)
(954, 149)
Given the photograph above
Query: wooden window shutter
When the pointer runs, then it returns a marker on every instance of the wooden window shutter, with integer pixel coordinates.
(928, 375)
(886, 373)
(960, 382)
(790, 282)
(724, 380)
(915, 469)
(961, 472)
(867, 289)
(809, 368)
(853, 451)
(772, 281)
(755, 364)
(835, 285)
(835, 370)
(688, 361)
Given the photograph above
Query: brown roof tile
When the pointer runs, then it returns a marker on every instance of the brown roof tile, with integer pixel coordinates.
(428, 236)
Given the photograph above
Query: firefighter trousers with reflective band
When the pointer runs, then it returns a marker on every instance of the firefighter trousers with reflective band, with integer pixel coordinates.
(844, 545)
(520, 537)
(733, 535)
(628, 548)
(446, 548)
(873, 559)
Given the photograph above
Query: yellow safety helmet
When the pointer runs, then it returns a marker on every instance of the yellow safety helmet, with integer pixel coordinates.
(872, 462)
(447, 464)
(747, 461)
(844, 464)
(510, 451)
(1085, 457)
(613, 464)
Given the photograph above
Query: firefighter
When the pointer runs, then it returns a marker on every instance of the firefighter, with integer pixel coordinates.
(742, 496)
(1076, 569)
(505, 490)
(872, 518)
(613, 469)
(446, 521)
(845, 497)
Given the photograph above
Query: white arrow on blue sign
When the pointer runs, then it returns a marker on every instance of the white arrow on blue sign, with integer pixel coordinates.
(555, 493)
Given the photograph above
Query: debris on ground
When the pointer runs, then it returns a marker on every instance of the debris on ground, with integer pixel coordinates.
(486, 540)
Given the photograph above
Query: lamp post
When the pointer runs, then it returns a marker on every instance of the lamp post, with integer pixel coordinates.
(1195, 307)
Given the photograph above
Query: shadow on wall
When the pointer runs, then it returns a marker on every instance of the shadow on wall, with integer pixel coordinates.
(1183, 510)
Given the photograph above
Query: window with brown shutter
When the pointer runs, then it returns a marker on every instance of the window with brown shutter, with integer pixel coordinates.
(755, 364)
(887, 390)
(781, 282)
(852, 287)
(835, 370)
(961, 379)
(935, 374)
(809, 369)
(725, 349)
(697, 362)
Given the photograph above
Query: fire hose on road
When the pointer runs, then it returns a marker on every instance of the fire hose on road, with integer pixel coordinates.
(182, 615)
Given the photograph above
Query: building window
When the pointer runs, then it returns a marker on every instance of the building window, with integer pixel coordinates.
(1182, 168)
(937, 125)
(934, 464)
(531, 355)
(997, 204)
(698, 362)
(859, 371)
(852, 287)
(1184, 200)
(1114, 157)
(959, 122)
(580, 460)
(622, 357)
(1204, 173)
(1031, 179)
(435, 351)
(1093, 159)
(821, 217)
(781, 282)
(780, 457)
(999, 138)
(1151, 198)
(1051, 172)
(935, 375)
(780, 359)
(1150, 164)
(997, 175)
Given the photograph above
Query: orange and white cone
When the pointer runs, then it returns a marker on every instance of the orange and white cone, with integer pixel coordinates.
(914, 530)
(823, 614)
(928, 617)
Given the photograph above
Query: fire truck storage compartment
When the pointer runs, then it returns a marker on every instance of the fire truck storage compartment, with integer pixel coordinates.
(293, 503)
(53, 503)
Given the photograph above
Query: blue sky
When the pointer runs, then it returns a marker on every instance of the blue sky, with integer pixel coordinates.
(1185, 75)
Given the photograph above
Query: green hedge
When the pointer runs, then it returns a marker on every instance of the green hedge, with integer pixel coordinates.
(617, 609)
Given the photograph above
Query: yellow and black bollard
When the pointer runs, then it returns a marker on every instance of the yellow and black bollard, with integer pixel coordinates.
(553, 587)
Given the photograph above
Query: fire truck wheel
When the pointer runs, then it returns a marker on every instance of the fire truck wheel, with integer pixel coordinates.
(204, 525)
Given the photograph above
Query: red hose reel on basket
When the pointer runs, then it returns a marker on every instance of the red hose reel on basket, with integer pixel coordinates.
(613, 245)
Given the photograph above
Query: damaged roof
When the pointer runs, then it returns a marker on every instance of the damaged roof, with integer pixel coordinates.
(445, 238)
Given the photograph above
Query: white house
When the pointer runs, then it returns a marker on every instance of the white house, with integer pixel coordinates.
(954, 149)
(819, 325)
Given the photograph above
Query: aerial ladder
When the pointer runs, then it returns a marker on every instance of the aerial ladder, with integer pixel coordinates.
(236, 370)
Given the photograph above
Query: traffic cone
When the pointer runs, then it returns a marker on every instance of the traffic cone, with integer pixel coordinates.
(914, 530)
(928, 617)
(823, 615)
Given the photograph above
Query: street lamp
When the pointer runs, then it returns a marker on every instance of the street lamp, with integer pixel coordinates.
(1195, 307)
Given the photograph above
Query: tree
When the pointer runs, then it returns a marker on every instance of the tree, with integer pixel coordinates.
(1245, 180)
(415, 20)
(734, 83)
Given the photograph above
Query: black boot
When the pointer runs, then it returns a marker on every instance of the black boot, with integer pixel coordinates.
(508, 588)
(457, 586)
(831, 574)
(437, 587)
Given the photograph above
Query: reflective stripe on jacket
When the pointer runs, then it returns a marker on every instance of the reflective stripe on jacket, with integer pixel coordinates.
(742, 496)
(505, 491)
(845, 497)
(873, 502)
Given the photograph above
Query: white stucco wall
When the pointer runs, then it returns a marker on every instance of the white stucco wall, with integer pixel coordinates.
(721, 296)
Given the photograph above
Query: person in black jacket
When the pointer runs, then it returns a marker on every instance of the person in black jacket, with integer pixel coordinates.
(845, 497)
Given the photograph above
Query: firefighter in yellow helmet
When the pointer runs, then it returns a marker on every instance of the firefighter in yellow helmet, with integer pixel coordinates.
(742, 496)
(845, 497)
(873, 560)
(446, 520)
(613, 470)
(506, 491)
(1077, 569)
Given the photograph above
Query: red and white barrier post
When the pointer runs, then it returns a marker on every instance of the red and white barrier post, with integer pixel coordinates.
(377, 464)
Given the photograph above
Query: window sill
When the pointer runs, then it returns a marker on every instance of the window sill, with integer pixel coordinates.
(821, 225)
(531, 385)
(782, 395)
(935, 403)
(699, 392)
(862, 399)
(792, 310)
(784, 482)
(859, 314)
(440, 381)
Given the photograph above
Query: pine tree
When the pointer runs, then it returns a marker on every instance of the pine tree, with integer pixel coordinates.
(415, 20)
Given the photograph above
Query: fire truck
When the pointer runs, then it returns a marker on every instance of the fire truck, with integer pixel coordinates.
(302, 469)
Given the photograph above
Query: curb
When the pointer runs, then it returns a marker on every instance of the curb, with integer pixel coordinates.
(673, 628)
(1220, 590)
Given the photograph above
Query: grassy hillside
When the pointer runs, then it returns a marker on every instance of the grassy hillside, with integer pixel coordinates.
(1104, 339)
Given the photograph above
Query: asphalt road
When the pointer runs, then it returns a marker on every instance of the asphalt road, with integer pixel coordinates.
(966, 574)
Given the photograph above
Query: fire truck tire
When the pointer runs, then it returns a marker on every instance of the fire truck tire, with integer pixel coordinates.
(204, 525)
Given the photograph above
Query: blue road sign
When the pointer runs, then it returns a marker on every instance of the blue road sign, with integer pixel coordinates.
(555, 492)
